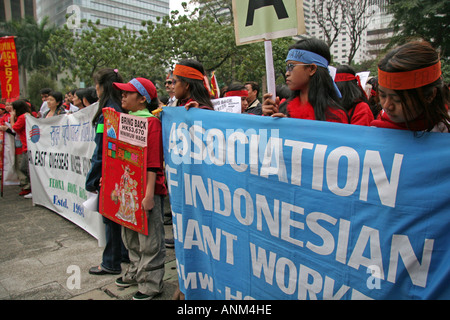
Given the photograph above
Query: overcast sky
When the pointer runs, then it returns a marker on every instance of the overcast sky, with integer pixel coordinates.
(176, 4)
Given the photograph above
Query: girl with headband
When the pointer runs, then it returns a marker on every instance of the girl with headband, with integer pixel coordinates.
(314, 93)
(191, 85)
(354, 98)
(238, 90)
(411, 90)
(147, 252)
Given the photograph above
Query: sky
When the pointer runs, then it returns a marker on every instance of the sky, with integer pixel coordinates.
(176, 4)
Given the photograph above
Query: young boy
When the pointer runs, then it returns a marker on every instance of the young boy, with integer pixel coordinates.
(147, 253)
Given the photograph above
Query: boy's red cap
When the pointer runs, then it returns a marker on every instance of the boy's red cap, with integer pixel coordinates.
(144, 86)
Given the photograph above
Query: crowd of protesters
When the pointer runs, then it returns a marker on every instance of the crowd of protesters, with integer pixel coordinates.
(408, 93)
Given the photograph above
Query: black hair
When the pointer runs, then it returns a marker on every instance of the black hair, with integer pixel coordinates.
(374, 100)
(45, 90)
(164, 100)
(352, 93)
(21, 107)
(283, 92)
(197, 89)
(322, 94)
(431, 100)
(90, 94)
(81, 93)
(152, 105)
(255, 86)
(105, 78)
(58, 97)
(235, 86)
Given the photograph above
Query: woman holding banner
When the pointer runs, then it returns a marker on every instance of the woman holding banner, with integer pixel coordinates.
(114, 252)
(191, 85)
(55, 104)
(412, 91)
(315, 96)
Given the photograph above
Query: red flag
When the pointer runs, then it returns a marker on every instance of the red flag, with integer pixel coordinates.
(9, 69)
(214, 86)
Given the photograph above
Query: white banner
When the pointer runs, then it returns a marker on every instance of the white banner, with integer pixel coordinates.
(10, 176)
(228, 104)
(59, 154)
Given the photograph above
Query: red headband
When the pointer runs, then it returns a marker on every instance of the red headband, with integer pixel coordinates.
(188, 72)
(340, 77)
(409, 79)
(191, 73)
(241, 93)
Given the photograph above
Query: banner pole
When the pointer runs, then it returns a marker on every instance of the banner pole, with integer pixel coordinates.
(2, 160)
(270, 70)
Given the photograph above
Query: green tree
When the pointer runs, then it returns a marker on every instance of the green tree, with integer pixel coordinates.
(90, 49)
(36, 82)
(31, 39)
(153, 51)
(427, 19)
(424, 19)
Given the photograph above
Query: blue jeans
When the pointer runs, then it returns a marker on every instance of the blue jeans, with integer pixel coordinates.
(114, 252)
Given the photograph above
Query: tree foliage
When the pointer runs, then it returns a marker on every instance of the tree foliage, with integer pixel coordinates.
(153, 51)
(30, 41)
(426, 19)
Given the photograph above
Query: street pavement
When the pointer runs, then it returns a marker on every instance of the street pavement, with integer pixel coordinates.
(41, 253)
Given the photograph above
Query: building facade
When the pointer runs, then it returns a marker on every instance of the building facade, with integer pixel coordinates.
(116, 14)
(17, 9)
(373, 39)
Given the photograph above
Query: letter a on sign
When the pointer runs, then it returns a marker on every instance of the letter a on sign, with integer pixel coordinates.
(258, 20)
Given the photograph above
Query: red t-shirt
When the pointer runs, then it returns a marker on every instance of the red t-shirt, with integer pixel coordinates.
(299, 110)
(5, 119)
(361, 114)
(20, 128)
(155, 158)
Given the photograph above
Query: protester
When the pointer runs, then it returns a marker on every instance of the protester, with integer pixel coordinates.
(66, 103)
(55, 105)
(254, 106)
(44, 95)
(190, 85)
(238, 90)
(20, 108)
(374, 101)
(147, 252)
(412, 91)
(169, 85)
(77, 99)
(354, 98)
(114, 252)
(314, 93)
(90, 96)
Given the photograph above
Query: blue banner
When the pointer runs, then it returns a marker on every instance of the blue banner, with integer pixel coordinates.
(267, 208)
